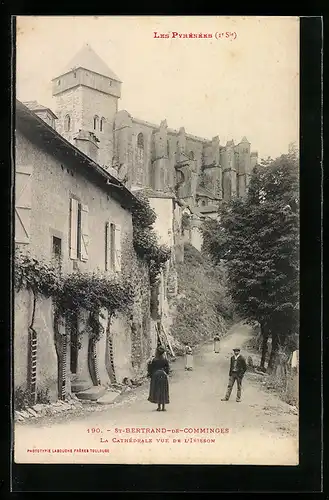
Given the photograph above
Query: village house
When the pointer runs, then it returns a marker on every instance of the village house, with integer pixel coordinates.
(72, 212)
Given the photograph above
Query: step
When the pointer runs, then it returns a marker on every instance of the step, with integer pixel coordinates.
(108, 398)
(80, 385)
(93, 394)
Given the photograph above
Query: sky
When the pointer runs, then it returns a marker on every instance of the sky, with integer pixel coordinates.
(243, 85)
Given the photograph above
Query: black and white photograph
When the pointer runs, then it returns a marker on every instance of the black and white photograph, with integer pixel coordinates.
(156, 228)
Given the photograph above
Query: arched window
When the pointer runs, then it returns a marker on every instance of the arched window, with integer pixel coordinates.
(96, 122)
(102, 124)
(140, 147)
(191, 155)
(203, 202)
(168, 149)
(67, 123)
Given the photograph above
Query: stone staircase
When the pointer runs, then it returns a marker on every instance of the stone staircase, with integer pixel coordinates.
(85, 390)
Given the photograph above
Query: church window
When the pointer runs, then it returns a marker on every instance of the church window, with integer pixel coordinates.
(96, 122)
(67, 123)
(101, 124)
(168, 149)
(191, 155)
(140, 147)
(58, 82)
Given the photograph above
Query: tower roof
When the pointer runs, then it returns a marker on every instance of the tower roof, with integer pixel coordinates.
(88, 59)
(244, 139)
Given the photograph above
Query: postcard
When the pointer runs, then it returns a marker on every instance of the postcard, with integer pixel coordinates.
(156, 240)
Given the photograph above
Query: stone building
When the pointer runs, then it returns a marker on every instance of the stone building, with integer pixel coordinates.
(72, 212)
(183, 176)
(197, 170)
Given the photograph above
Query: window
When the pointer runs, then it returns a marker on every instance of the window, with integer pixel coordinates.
(191, 155)
(79, 234)
(57, 250)
(96, 122)
(168, 149)
(140, 148)
(101, 124)
(67, 123)
(58, 82)
(112, 247)
(75, 74)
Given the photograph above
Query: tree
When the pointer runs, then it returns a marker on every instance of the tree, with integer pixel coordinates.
(258, 237)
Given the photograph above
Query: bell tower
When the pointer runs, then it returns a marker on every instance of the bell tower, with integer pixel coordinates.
(87, 94)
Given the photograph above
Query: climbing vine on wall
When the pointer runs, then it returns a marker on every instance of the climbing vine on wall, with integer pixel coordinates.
(145, 239)
(89, 291)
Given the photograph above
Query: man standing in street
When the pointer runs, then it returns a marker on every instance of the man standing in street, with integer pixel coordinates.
(238, 366)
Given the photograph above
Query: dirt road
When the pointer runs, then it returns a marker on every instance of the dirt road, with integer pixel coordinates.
(198, 427)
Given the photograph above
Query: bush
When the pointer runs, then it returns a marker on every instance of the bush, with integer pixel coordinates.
(21, 398)
(203, 297)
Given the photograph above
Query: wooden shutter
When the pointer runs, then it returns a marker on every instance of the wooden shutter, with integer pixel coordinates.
(107, 247)
(117, 256)
(84, 233)
(23, 197)
(74, 210)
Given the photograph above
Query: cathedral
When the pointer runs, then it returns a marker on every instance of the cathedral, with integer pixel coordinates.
(198, 171)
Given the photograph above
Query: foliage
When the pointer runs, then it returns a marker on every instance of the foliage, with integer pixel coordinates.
(201, 295)
(186, 221)
(21, 398)
(43, 396)
(89, 291)
(94, 292)
(257, 237)
(36, 275)
(145, 239)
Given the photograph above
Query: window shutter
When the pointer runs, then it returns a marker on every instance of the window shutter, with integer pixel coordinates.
(74, 228)
(107, 247)
(117, 255)
(84, 234)
(23, 198)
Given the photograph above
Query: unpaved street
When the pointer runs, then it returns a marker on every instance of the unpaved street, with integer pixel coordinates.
(260, 429)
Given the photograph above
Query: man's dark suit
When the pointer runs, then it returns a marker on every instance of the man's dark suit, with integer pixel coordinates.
(238, 368)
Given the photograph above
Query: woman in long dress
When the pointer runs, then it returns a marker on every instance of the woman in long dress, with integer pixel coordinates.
(158, 370)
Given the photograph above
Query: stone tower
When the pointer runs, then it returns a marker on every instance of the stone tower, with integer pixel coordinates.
(87, 94)
(243, 166)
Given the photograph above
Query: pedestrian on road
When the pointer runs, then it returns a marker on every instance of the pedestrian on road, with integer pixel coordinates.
(158, 370)
(238, 367)
(188, 358)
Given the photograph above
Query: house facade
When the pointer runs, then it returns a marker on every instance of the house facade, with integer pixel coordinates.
(71, 212)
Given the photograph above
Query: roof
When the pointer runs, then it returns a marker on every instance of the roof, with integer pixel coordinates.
(244, 139)
(47, 138)
(88, 59)
(201, 191)
(209, 209)
(35, 106)
(170, 131)
(151, 193)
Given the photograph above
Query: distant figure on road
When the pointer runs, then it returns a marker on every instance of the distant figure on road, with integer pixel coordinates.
(238, 367)
(188, 358)
(158, 370)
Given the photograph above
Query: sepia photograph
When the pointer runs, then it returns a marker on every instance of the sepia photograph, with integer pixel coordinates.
(156, 255)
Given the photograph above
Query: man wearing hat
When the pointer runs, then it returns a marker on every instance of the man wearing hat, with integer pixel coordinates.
(238, 367)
